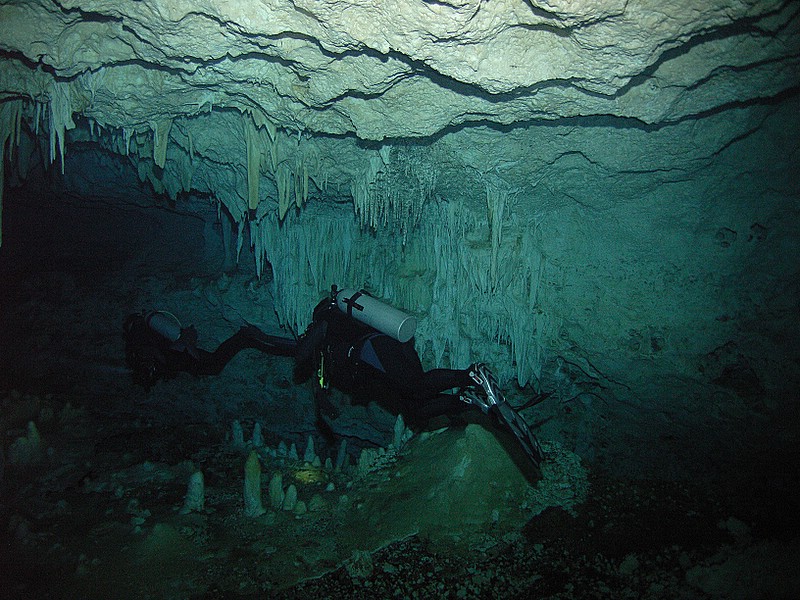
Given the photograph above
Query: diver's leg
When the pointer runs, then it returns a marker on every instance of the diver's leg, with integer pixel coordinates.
(436, 381)
(449, 405)
(212, 363)
(404, 371)
(269, 344)
(249, 336)
(324, 411)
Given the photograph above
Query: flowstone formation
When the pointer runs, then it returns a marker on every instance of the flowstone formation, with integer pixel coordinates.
(593, 198)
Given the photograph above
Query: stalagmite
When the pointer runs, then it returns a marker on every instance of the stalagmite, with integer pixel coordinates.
(282, 449)
(290, 500)
(27, 451)
(258, 436)
(195, 494)
(237, 435)
(341, 455)
(309, 455)
(276, 493)
(252, 486)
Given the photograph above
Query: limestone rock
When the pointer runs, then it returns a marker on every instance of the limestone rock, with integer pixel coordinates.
(447, 484)
(544, 165)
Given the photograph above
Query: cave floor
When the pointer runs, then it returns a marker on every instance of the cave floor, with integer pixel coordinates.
(98, 517)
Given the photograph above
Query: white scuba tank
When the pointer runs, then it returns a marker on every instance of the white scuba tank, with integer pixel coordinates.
(371, 311)
(165, 324)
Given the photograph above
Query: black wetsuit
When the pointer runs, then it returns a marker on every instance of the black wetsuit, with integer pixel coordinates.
(151, 356)
(368, 364)
(354, 358)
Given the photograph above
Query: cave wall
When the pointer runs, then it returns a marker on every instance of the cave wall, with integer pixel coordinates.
(594, 200)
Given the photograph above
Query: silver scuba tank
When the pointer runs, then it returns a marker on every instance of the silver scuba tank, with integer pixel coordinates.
(371, 311)
(164, 323)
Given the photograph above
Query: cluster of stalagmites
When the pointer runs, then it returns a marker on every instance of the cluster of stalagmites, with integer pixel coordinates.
(288, 465)
(28, 449)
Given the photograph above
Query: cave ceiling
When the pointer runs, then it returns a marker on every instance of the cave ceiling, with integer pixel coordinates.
(473, 92)
(386, 69)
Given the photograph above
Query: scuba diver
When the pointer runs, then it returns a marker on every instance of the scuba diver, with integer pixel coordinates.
(355, 343)
(365, 348)
(157, 347)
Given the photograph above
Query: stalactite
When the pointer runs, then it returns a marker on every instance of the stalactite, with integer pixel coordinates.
(392, 190)
(10, 127)
(185, 170)
(475, 283)
(37, 119)
(465, 308)
(363, 192)
(253, 149)
(239, 238)
(308, 252)
(257, 234)
(273, 155)
(298, 183)
(10, 124)
(496, 198)
(458, 311)
(127, 133)
(259, 119)
(60, 118)
(160, 137)
(272, 130)
(283, 181)
(302, 185)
